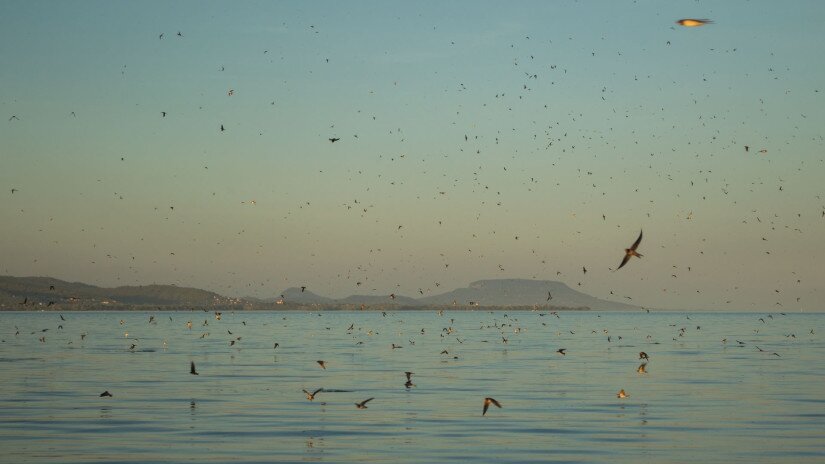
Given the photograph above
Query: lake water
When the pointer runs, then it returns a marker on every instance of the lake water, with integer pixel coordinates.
(702, 399)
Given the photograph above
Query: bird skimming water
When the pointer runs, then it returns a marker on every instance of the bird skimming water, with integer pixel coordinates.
(487, 402)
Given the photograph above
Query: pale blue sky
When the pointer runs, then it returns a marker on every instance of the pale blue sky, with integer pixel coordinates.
(571, 110)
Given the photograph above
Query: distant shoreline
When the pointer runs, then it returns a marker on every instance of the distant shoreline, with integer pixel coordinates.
(290, 307)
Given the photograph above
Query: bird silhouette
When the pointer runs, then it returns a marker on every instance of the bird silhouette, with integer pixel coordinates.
(363, 404)
(192, 368)
(628, 252)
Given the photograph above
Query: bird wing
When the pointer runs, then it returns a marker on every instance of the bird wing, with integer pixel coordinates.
(636, 243)
(366, 401)
(317, 391)
(624, 261)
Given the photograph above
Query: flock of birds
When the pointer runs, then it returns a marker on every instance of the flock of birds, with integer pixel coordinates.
(311, 396)
(356, 205)
(507, 324)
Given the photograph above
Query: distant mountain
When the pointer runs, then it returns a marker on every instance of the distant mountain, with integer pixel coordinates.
(379, 300)
(39, 291)
(295, 295)
(494, 292)
(522, 292)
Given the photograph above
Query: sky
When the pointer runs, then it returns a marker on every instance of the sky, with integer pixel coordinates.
(476, 140)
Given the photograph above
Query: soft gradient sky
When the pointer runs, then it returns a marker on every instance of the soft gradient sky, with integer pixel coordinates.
(477, 140)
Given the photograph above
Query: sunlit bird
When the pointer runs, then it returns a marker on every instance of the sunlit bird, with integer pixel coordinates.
(487, 402)
(692, 22)
(622, 394)
(311, 396)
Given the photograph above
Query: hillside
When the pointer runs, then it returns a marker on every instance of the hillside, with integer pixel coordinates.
(41, 292)
(522, 292)
(38, 291)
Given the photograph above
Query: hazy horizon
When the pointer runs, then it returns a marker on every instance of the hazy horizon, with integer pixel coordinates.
(476, 140)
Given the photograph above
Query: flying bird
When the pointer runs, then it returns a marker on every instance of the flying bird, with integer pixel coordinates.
(322, 364)
(311, 396)
(334, 139)
(487, 402)
(692, 22)
(106, 393)
(643, 355)
(561, 351)
(363, 404)
(409, 383)
(192, 368)
(628, 252)
(622, 394)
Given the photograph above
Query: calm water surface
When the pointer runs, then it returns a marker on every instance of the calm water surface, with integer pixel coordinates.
(702, 399)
